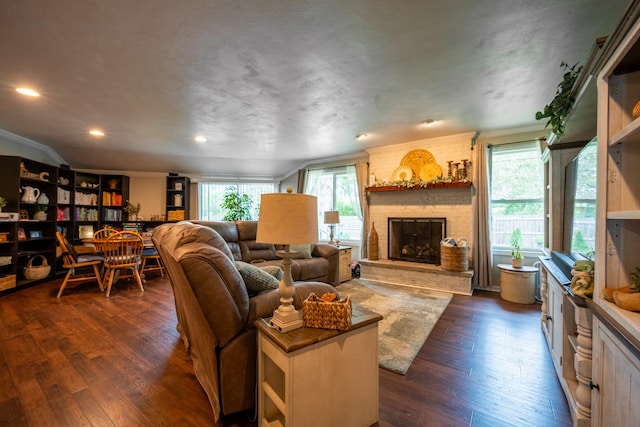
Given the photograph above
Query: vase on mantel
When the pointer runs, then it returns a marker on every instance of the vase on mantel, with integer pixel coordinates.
(372, 243)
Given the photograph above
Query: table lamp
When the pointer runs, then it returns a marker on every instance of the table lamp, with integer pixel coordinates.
(287, 219)
(331, 218)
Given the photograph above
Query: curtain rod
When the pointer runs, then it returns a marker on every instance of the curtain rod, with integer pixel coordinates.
(519, 142)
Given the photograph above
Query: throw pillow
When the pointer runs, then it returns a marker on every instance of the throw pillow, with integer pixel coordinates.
(256, 279)
(305, 250)
(273, 270)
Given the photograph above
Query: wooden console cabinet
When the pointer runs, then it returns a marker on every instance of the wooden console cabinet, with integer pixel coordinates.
(319, 377)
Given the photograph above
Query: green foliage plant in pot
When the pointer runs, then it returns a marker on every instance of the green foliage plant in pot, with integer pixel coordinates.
(237, 206)
(3, 203)
(560, 106)
(516, 255)
(40, 213)
(132, 210)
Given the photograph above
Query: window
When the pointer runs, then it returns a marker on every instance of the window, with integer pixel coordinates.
(336, 189)
(211, 194)
(517, 196)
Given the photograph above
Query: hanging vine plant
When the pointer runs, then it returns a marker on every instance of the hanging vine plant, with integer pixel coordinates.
(558, 109)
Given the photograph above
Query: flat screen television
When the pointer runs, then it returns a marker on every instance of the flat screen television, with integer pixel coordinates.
(580, 203)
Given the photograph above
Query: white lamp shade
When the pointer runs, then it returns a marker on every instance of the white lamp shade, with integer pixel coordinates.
(288, 219)
(331, 217)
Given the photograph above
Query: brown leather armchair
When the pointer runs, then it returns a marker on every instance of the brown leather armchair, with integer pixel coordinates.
(215, 313)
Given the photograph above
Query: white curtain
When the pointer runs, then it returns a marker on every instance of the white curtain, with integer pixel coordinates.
(481, 250)
(362, 175)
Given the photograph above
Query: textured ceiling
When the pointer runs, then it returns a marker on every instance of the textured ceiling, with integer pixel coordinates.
(275, 84)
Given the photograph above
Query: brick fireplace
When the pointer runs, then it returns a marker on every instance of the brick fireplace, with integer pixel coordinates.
(452, 204)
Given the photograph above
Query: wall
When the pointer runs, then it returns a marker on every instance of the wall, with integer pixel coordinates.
(453, 204)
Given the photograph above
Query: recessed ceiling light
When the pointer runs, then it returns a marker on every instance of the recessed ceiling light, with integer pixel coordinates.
(429, 122)
(96, 132)
(361, 136)
(200, 138)
(26, 91)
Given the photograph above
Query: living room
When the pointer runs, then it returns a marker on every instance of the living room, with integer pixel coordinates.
(286, 92)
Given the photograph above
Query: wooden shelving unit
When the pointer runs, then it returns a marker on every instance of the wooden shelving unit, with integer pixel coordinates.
(177, 198)
(75, 203)
(31, 235)
(616, 332)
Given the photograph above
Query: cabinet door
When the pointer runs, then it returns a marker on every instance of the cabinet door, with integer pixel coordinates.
(555, 296)
(616, 374)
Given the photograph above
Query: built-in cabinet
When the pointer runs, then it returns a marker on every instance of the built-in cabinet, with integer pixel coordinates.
(177, 198)
(616, 372)
(567, 326)
(594, 344)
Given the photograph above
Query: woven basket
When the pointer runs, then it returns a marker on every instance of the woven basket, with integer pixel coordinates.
(454, 258)
(37, 272)
(317, 313)
(7, 282)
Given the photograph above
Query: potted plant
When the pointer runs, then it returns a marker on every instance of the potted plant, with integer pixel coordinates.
(516, 256)
(238, 206)
(516, 243)
(3, 203)
(40, 213)
(132, 210)
(560, 106)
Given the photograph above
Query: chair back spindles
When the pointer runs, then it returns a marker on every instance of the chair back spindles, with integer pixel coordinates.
(123, 251)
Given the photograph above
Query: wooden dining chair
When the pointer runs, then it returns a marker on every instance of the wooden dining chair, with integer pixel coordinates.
(81, 267)
(122, 253)
(151, 261)
(103, 233)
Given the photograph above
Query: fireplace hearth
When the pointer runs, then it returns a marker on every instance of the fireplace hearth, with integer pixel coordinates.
(416, 239)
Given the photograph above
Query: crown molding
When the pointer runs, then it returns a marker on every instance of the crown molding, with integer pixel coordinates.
(12, 137)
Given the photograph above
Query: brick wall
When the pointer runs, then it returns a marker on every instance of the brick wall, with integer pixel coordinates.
(452, 204)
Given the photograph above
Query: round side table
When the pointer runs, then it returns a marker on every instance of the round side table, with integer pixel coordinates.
(518, 284)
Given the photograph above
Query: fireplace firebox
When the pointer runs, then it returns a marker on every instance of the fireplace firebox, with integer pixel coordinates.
(416, 239)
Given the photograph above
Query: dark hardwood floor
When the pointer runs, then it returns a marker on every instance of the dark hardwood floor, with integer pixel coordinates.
(94, 361)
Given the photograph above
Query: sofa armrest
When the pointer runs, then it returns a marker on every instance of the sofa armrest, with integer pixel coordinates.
(324, 250)
(332, 254)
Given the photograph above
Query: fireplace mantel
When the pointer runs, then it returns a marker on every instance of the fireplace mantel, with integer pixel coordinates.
(436, 185)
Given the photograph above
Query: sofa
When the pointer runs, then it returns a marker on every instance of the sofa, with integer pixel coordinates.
(315, 263)
(215, 311)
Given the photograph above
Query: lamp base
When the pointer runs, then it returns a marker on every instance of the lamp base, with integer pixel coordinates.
(287, 321)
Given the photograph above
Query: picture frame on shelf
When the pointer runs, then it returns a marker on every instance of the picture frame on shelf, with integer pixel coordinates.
(21, 234)
(35, 234)
(85, 231)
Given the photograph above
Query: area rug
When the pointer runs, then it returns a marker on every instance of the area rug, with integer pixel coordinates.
(409, 317)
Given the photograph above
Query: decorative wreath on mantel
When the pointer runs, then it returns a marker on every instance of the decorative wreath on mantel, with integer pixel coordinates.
(418, 168)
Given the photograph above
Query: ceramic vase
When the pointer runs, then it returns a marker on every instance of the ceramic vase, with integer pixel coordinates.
(372, 243)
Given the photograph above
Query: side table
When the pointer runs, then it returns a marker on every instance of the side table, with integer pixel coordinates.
(319, 377)
(344, 263)
(518, 284)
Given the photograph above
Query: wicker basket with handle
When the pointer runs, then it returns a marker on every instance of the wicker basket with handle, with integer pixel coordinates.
(37, 272)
